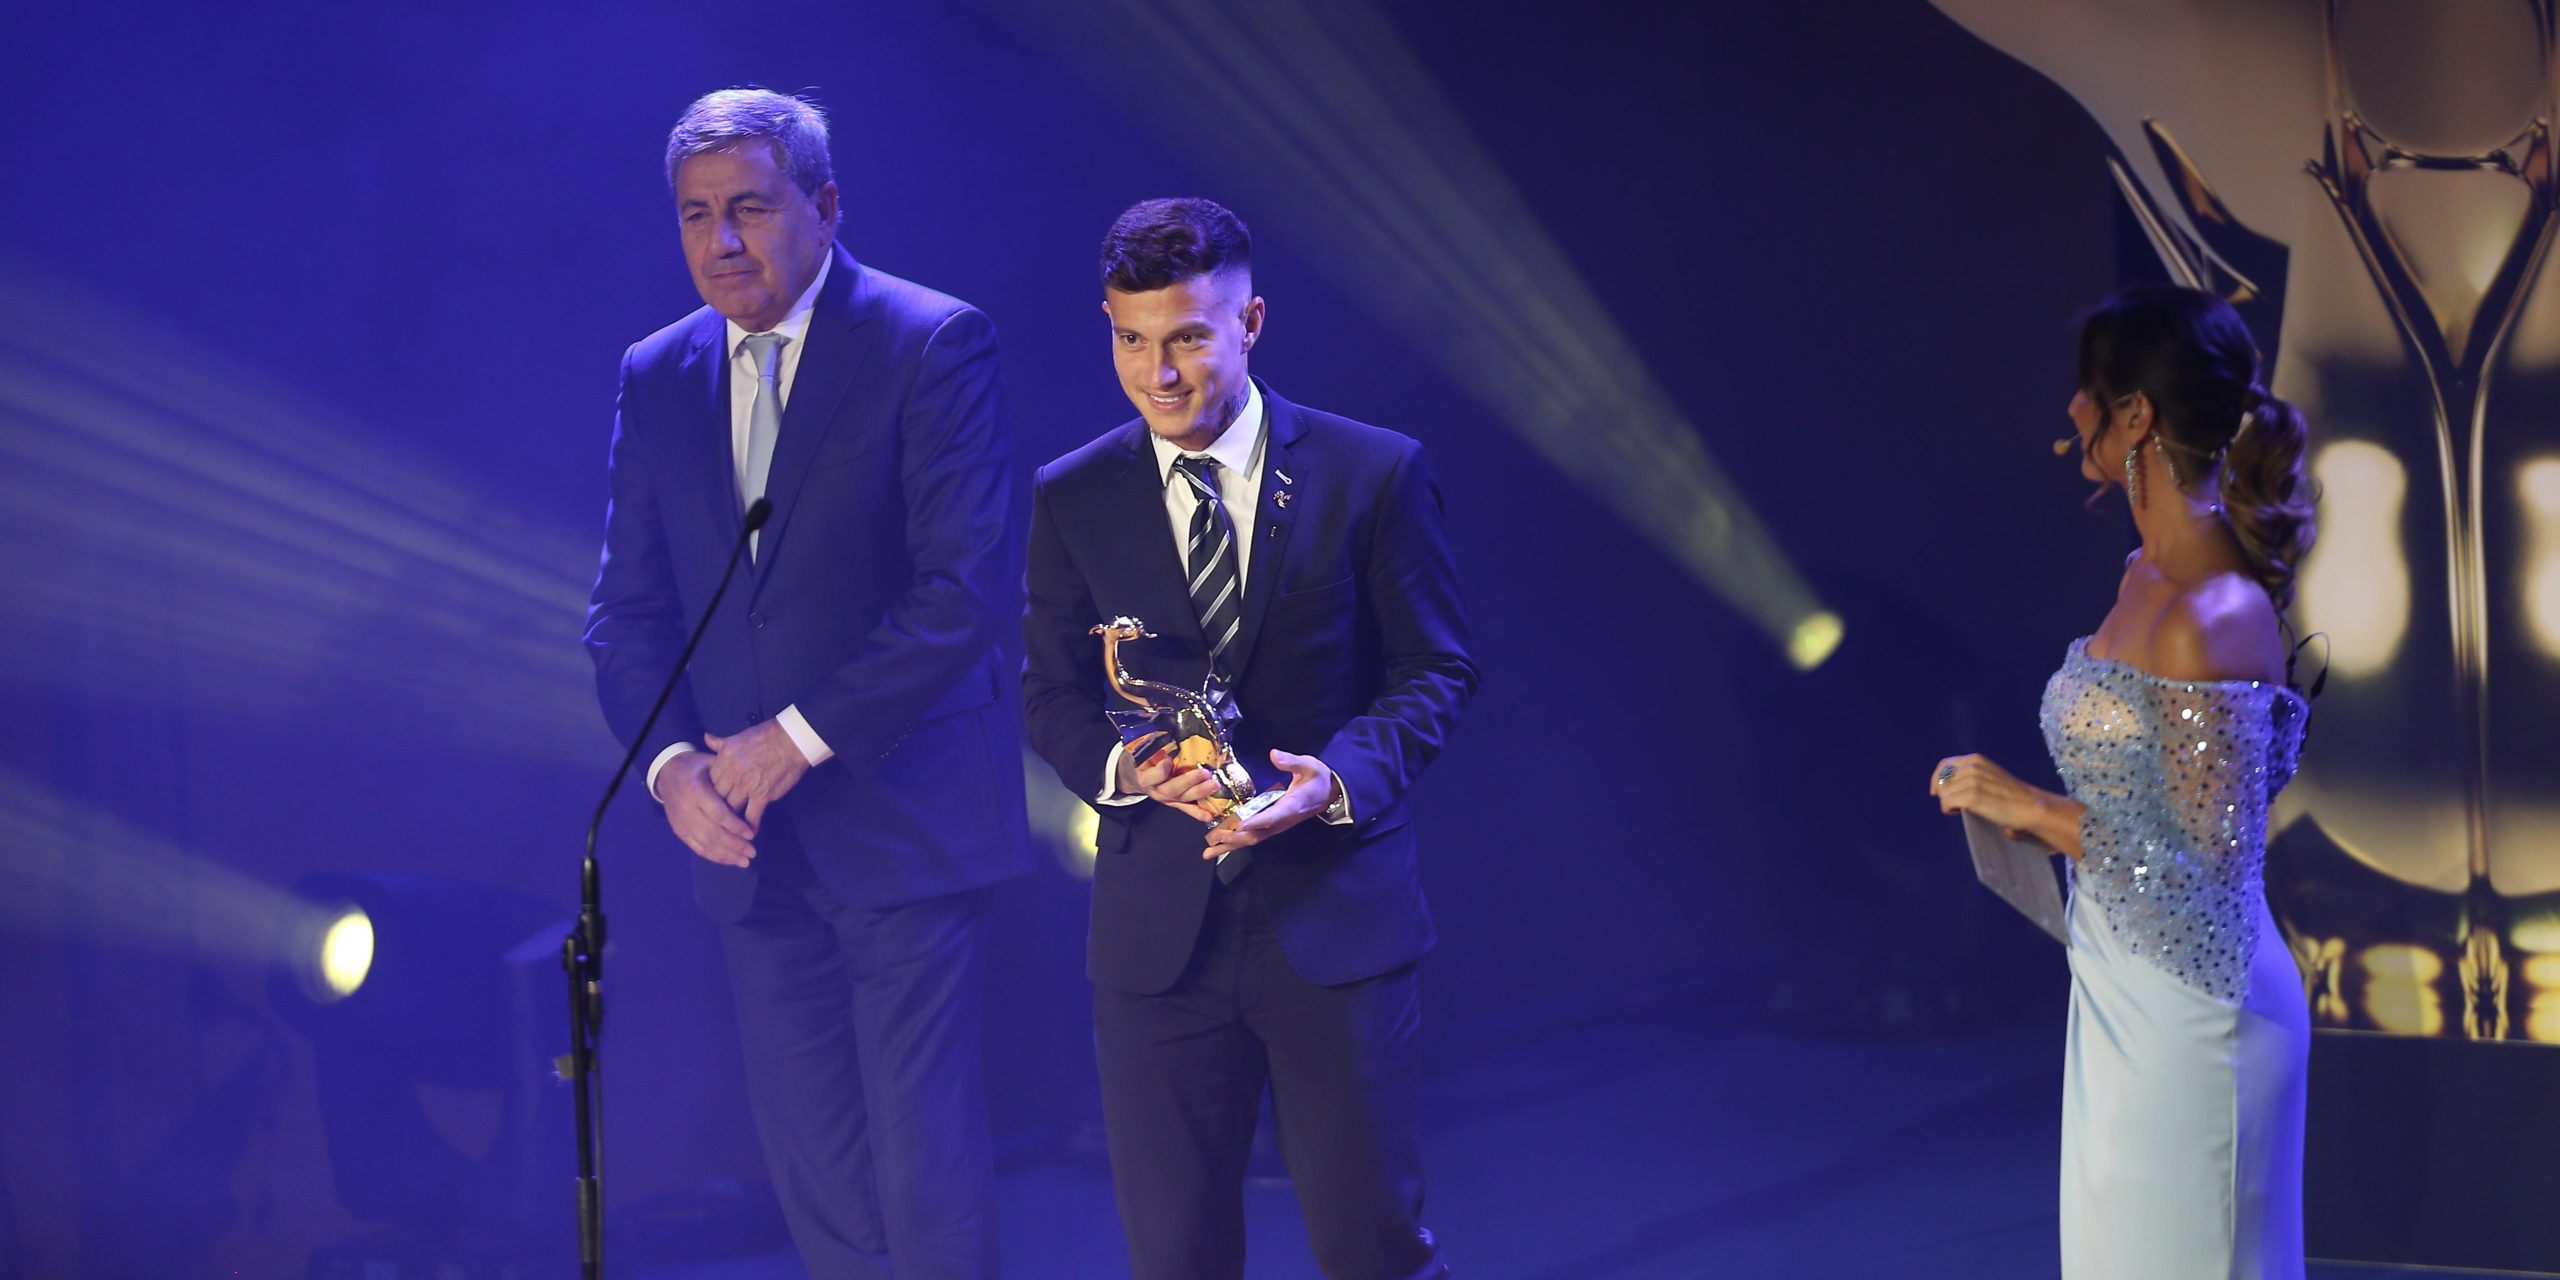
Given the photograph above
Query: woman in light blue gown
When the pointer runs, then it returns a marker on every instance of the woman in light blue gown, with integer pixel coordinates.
(2173, 727)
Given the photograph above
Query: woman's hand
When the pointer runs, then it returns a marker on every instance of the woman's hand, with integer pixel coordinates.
(1973, 784)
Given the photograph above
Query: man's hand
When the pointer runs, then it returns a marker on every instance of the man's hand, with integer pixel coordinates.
(1311, 788)
(1165, 779)
(699, 816)
(754, 767)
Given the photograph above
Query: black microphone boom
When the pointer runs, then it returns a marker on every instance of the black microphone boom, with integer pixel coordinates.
(582, 951)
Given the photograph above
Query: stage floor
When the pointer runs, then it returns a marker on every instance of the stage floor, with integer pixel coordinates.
(1661, 1143)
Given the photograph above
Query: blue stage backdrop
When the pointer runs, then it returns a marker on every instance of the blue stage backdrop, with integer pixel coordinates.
(1723, 329)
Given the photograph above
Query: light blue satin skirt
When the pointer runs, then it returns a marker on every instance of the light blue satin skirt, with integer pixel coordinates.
(2181, 1117)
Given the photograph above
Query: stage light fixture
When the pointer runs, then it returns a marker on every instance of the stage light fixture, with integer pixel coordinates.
(346, 953)
(425, 999)
(1815, 639)
(1064, 822)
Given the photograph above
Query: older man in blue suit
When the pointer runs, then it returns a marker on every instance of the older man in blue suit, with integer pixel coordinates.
(842, 756)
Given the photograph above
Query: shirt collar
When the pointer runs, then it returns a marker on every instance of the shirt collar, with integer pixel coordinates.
(794, 326)
(1238, 448)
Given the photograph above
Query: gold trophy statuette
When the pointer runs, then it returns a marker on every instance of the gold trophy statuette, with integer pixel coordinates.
(1193, 721)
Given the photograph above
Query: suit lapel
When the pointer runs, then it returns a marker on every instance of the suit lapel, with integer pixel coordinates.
(706, 373)
(1271, 521)
(830, 365)
(1156, 581)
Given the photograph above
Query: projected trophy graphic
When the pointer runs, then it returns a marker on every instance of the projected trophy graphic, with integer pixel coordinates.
(1192, 724)
(2381, 204)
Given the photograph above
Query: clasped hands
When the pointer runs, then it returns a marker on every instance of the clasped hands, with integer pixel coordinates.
(715, 799)
(1150, 767)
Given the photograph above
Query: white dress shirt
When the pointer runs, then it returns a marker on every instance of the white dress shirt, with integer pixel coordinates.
(743, 374)
(1239, 451)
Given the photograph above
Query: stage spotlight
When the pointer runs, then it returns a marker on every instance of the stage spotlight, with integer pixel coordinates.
(1815, 639)
(432, 1008)
(1385, 186)
(1066, 823)
(346, 953)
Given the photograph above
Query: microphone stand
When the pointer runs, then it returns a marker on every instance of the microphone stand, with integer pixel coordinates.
(582, 949)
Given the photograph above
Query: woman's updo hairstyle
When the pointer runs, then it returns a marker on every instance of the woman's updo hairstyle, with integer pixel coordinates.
(2188, 351)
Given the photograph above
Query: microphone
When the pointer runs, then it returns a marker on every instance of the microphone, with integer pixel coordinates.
(2062, 447)
(758, 512)
(582, 950)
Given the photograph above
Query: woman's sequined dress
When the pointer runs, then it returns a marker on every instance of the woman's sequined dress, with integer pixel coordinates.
(2183, 1075)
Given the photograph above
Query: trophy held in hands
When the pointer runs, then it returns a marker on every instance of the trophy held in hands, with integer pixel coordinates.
(1192, 725)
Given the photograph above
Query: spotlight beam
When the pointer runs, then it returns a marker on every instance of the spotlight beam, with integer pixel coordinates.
(1342, 137)
(277, 557)
(76, 869)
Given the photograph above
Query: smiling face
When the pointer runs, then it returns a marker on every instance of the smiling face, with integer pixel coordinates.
(1180, 353)
(752, 238)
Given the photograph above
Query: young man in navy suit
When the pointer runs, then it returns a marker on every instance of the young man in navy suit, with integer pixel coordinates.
(839, 755)
(1301, 558)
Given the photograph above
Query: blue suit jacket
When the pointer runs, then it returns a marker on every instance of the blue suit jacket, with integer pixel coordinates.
(883, 579)
(1352, 648)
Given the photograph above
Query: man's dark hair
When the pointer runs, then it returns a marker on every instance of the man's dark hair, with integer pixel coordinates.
(1156, 244)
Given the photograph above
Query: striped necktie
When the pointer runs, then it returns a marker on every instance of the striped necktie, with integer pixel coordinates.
(1217, 584)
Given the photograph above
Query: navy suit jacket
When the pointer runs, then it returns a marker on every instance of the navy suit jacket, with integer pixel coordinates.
(1352, 649)
(883, 579)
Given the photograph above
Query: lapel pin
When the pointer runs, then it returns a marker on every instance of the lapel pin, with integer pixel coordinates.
(1284, 476)
(1281, 499)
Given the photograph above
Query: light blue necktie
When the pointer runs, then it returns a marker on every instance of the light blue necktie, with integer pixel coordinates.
(764, 421)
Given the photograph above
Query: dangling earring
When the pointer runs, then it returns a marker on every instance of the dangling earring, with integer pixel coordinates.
(2133, 474)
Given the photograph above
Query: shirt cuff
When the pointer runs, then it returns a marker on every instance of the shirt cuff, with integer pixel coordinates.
(1111, 793)
(1337, 811)
(813, 748)
(673, 750)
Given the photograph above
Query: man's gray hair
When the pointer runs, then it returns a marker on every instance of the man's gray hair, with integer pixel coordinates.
(725, 118)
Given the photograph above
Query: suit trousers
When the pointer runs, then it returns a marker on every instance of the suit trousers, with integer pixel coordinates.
(1182, 1078)
(866, 1072)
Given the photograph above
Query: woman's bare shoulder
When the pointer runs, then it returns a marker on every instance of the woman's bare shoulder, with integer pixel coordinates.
(2223, 628)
